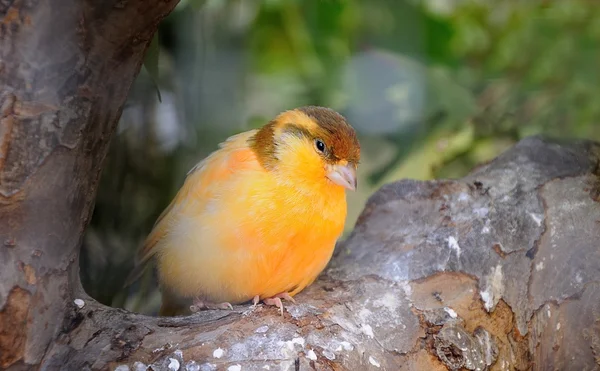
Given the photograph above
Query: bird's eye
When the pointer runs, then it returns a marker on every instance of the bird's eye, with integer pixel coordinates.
(320, 145)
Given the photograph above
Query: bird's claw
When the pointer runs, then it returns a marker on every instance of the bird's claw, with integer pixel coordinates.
(285, 296)
(275, 300)
(198, 305)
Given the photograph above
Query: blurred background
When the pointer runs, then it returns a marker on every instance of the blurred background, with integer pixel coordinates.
(433, 88)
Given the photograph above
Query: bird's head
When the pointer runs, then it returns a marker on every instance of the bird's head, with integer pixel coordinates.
(310, 145)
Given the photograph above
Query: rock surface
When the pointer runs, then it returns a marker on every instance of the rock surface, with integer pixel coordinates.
(499, 270)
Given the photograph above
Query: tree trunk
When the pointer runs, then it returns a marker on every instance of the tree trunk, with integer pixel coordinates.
(65, 71)
(498, 270)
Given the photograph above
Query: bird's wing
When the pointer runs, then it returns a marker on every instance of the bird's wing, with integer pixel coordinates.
(233, 154)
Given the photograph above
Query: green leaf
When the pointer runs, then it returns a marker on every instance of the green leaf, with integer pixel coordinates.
(151, 63)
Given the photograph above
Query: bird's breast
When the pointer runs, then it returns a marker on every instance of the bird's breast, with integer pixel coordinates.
(297, 242)
(261, 240)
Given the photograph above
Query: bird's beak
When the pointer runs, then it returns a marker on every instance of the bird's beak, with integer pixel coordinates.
(344, 175)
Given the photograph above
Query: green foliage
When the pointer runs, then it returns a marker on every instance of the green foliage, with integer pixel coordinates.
(534, 64)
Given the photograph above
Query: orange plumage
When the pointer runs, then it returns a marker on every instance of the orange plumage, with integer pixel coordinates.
(259, 218)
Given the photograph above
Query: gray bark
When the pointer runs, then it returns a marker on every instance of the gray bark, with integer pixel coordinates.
(65, 71)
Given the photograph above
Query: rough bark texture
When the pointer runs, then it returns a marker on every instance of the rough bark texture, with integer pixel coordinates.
(498, 270)
(65, 70)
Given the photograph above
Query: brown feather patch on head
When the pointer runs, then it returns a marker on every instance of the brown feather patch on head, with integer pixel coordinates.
(337, 134)
(262, 143)
(314, 123)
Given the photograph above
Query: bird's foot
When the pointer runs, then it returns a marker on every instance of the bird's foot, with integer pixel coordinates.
(200, 304)
(275, 300)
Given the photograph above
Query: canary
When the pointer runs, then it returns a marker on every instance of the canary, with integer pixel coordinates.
(257, 219)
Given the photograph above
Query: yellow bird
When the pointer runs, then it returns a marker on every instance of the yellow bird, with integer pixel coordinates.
(258, 219)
